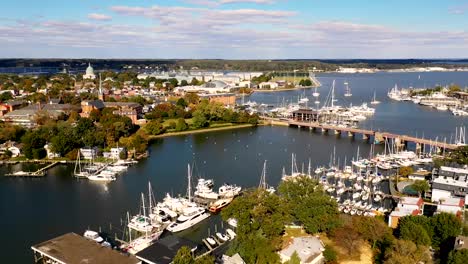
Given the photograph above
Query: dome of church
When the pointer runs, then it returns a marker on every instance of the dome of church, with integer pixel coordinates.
(89, 70)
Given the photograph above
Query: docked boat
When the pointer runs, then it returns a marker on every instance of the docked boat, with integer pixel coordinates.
(347, 90)
(220, 204)
(101, 178)
(93, 235)
(232, 222)
(191, 217)
(229, 191)
(204, 189)
(374, 101)
(222, 237)
(211, 241)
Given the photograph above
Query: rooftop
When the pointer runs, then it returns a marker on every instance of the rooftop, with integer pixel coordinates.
(308, 248)
(72, 248)
(410, 200)
(453, 201)
(164, 250)
(452, 182)
(454, 170)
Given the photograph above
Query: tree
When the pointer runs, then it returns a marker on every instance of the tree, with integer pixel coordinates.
(183, 256)
(347, 237)
(445, 226)
(407, 224)
(154, 127)
(181, 102)
(199, 120)
(421, 186)
(414, 233)
(192, 98)
(5, 96)
(330, 255)
(295, 259)
(310, 205)
(406, 252)
(206, 259)
(406, 171)
(181, 125)
(183, 83)
(371, 229)
(458, 256)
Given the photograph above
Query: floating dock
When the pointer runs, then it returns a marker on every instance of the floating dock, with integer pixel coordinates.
(39, 173)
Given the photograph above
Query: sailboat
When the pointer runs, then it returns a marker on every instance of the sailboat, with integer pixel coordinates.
(374, 101)
(315, 93)
(347, 90)
(263, 184)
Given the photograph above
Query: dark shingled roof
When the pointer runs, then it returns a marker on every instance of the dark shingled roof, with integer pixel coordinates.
(164, 250)
(75, 249)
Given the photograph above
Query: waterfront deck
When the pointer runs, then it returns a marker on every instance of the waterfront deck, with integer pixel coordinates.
(75, 249)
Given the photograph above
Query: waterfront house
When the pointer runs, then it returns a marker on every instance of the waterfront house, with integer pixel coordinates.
(114, 153)
(445, 187)
(406, 206)
(89, 153)
(451, 205)
(13, 147)
(309, 250)
(50, 153)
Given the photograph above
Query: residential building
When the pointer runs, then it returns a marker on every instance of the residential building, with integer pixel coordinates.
(89, 153)
(26, 116)
(406, 206)
(443, 188)
(309, 250)
(420, 175)
(451, 205)
(460, 174)
(10, 106)
(129, 109)
(50, 153)
(114, 153)
(13, 147)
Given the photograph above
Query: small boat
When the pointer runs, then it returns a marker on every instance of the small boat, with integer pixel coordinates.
(93, 235)
(101, 178)
(374, 101)
(211, 241)
(219, 204)
(232, 222)
(231, 233)
(347, 90)
(222, 237)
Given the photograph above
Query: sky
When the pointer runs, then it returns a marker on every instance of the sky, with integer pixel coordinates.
(234, 29)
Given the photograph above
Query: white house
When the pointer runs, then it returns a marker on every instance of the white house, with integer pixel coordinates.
(309, 250)
(114, 153)
(268, 85)
(50, 153)
(451, 205)
(15, 151)
(406, 206)
(88, 153)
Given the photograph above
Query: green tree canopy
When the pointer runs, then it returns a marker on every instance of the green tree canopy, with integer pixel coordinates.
(406, 252)
(183, 256)
(458, 256)
(421, 186)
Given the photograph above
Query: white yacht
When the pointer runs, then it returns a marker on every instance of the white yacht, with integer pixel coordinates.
(101, 177)
(374, 101)
(347, 90)
(204, 189)
(191, 217)
(228, 191)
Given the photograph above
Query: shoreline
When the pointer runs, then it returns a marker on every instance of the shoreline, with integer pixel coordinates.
(282, 90)
(197, 131)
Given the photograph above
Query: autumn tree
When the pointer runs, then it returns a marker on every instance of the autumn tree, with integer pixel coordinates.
(406, 252)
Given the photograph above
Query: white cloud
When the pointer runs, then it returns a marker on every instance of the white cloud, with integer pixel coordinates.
(99, 17)
(215, 3)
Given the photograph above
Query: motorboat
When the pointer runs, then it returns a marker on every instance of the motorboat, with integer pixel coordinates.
(222, 237)
(219, 204)
(232, 222)
(229, 191)
(93, 235)
(191, 217)
(231, 233)
(101, 178)
(211, 241)
(204, 189)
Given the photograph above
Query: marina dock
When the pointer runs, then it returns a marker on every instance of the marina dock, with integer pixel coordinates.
(39, 173)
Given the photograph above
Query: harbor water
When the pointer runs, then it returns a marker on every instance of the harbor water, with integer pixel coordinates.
(34, 210)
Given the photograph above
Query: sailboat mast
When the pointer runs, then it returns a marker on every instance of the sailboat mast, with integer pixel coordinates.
(189, 180)
(143, 204)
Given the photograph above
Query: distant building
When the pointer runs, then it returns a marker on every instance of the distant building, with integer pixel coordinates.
(309, 250)
(88, 106)
(89, 73)
(268, 85)
(209, 87)
(26, 116)
(10, 106)
(129, 109)
(227, 99)
(406, 206)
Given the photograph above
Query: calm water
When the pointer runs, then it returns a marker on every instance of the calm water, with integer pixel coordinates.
(34, 210)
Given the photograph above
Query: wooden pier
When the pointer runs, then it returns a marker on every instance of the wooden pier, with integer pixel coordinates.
(378, 136)
(39, 173)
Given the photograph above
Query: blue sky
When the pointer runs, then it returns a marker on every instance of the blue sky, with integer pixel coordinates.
(234, 29)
